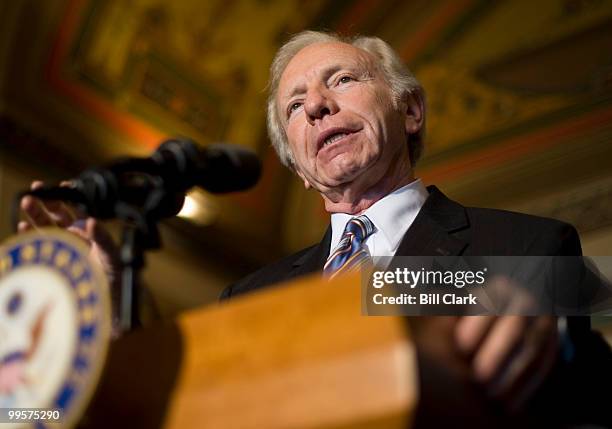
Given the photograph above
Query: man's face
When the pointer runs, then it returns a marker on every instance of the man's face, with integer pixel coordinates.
(338, 112)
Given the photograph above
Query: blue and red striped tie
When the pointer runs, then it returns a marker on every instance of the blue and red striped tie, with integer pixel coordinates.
(350, 253)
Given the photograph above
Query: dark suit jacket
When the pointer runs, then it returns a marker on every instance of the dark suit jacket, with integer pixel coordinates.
(444, 227)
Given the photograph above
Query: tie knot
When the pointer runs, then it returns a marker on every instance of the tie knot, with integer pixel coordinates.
(350, 252)
(361, 226)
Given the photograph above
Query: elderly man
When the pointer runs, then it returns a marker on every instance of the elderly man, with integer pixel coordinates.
(348, 118)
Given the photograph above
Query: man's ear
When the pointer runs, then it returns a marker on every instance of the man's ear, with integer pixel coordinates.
(415, 112)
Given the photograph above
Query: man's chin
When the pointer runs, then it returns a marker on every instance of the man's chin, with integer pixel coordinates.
(337, 184)
(348, 185)
(341, 176)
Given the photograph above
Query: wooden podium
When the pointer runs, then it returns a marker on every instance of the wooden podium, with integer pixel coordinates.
(300, 356)
(297, 356)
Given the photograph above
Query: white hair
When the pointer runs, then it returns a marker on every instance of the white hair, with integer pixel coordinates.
(400, 79)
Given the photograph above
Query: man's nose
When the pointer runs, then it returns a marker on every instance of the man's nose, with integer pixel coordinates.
(318, 104)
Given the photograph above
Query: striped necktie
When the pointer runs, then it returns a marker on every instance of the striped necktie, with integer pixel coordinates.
(350, 253)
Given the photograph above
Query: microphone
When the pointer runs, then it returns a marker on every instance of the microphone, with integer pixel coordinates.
(176, 166)
(219, 168)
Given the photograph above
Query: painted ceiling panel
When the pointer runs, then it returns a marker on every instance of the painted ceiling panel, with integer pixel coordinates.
(199, 68)
(506, 82)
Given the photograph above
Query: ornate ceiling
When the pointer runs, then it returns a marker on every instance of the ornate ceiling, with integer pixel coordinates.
(519, 92)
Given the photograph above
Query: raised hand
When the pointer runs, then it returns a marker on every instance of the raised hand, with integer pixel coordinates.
(103, 249)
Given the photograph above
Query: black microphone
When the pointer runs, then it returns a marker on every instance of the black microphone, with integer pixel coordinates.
(176, 166)
(219, 168)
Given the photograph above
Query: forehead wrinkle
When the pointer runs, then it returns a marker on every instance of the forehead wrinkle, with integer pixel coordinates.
(323, 74)
(359, 60)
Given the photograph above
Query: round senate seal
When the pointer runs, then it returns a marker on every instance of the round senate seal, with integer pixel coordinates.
(54, 325)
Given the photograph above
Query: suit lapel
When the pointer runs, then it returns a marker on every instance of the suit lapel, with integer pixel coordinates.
(314, 259)
(431, 233)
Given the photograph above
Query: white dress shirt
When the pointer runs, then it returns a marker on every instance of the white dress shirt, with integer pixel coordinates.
(391, 215)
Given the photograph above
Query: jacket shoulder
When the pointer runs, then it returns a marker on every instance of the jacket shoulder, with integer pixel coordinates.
(521, 234)
(275, 272)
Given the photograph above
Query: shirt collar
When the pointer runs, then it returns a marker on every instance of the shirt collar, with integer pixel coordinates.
(392, 215)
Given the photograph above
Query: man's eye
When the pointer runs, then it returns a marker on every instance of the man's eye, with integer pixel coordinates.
(345, 79)
(293, 107)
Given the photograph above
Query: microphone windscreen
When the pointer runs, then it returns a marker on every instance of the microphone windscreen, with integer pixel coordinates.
(229, 168)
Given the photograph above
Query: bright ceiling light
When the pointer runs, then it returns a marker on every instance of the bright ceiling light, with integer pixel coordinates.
(190, 208)
(199, 208)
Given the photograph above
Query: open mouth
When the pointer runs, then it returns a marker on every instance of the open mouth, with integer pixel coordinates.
(334, 138)
(331, 136)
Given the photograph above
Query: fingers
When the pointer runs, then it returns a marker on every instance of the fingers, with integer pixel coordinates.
(533, 375)
(103, 248)
(80, 232)
(23, 226)
(48, 205)
(530, 365)
(49, 213)
(510, 355)
(504, 336)
(106, 248)
(470, 331)
(33, 212)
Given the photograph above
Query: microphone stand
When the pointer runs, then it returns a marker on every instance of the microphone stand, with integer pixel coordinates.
(140, 233)
(118, 191)
(133, 243)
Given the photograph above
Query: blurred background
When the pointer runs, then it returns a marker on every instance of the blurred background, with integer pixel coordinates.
(519, 111)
